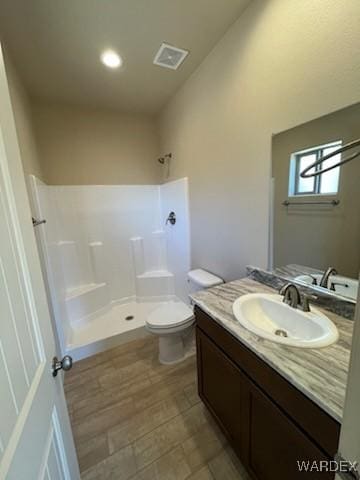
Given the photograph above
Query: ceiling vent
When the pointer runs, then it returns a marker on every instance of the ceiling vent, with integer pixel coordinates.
(170, 57)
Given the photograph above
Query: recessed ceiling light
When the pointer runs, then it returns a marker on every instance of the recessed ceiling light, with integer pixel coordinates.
(111, 59)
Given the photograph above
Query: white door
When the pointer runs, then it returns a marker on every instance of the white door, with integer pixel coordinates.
(35, 437)
(349, 447)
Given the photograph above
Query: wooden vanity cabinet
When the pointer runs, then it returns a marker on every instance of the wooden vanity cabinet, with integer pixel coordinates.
(270, 424)
(223, 388)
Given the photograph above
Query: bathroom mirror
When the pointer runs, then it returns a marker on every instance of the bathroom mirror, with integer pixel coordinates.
(316, 221)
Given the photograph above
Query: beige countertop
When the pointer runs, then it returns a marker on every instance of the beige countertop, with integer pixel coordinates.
(321, 374)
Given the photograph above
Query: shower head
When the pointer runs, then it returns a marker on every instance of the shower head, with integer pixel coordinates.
(165, 158)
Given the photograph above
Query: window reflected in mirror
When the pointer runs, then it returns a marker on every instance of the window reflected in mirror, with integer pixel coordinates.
(325, 184)
(316, 220)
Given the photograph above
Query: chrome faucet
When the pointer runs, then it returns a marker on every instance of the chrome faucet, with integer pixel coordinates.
(325, 278)
(294, 299)
(305, 301)
(291, 295)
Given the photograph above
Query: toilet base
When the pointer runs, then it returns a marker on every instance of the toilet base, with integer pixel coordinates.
(175, 348)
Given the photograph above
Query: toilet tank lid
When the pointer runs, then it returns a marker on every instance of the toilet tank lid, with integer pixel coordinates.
(204, 279)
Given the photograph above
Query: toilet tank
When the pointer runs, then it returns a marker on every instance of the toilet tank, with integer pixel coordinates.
(200, 279)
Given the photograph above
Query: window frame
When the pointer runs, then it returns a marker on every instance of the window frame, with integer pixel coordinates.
(295, 179)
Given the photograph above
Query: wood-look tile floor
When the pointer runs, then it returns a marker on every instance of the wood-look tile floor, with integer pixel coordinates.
(133, 418)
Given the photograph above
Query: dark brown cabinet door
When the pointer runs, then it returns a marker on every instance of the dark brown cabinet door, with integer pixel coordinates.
(222, 389)
(270, 424)
(276, 444)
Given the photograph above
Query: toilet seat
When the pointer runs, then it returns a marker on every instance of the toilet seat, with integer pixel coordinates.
(174, 322)
(170, 315)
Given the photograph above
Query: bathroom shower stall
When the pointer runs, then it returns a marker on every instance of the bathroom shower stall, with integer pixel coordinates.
(110, 257)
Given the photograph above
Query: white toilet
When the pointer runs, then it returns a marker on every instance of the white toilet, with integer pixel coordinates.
(174, 321)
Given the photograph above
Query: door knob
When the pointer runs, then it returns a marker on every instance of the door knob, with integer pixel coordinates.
(64, 364)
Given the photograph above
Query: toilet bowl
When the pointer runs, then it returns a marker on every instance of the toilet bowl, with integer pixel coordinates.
(174, 322)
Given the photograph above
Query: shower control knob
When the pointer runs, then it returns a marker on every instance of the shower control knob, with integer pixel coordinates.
(171, 218)
(64, 364)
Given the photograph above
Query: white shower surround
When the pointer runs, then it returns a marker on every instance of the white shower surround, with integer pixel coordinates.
(107, 254)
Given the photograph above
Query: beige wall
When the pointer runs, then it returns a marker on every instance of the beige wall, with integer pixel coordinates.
(23, 120)
(318, 236)
(281, 64)
(79, 145)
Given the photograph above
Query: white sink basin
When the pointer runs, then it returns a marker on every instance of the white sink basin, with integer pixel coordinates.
(269, 317)
(348, 286)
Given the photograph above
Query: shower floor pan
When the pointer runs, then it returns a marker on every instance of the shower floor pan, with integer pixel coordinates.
(120, 324)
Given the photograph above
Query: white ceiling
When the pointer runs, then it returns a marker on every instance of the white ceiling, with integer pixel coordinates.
(55, 45)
